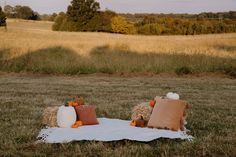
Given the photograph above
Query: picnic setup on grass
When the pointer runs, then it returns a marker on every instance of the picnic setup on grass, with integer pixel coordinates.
(162, 117)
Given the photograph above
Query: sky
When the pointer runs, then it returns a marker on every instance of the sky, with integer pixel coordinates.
(134, 6)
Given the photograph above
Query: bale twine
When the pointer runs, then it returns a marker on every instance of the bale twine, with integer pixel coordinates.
(50, 116)
(142, 110)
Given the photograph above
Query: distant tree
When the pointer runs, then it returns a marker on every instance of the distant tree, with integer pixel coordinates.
(45, 17)
(22, 12)
(53, 17)
(59, 22)
(2, 18)
(81, 11)
(149, 20)
(35, 16)
(101, 22)
(9, 11)
(232, 14)
(120, 25)
(62, 24)
(48, 17)
(151, 29)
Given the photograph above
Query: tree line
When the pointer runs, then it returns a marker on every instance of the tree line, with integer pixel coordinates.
(85, 15)
(27, 13)
(181, 26)
(21, 12)
(205, 15)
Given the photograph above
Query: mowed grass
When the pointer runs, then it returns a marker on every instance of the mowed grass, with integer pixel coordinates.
(29, 46)
(212, 119)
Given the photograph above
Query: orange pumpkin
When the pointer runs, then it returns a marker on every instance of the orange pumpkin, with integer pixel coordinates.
(75, 104)
(133, 123)
(140, 123)
(70, 103)
(152, 103)
(77, 124)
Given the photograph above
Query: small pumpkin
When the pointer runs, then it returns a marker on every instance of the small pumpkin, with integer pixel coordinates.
(133, 123)
(77, 124)
(152, 103)
(75, 104)
(70, 103)
(140, 123)
(78, 101)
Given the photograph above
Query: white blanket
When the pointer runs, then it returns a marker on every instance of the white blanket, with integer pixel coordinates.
(107, 130)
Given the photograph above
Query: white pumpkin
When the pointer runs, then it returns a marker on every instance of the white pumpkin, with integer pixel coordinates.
(171, 95)
(66, 116)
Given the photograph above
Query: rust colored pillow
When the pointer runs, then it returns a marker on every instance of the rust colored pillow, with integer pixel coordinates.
(167, 114)
(86, 114)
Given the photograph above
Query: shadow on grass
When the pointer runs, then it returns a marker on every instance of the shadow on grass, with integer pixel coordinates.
(104, 59)
(50, 60)
(4, 53)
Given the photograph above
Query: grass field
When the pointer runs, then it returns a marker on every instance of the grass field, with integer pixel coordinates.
(33, 47)
(212, 119)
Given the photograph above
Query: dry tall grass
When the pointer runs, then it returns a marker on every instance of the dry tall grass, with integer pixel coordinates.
(110, 52)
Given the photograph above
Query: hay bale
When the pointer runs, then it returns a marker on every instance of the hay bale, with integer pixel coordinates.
(141, 110)
(50, 116)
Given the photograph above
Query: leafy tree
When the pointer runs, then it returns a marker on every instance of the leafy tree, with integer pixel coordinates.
(83, 15)
(53, 17)
(48, 17)
(101, 22)
(22, 12)
(59, 21)
(62, 24)
(80, 12)
(120, 25)
(2, 18)
(45, 17)
(9, 11)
